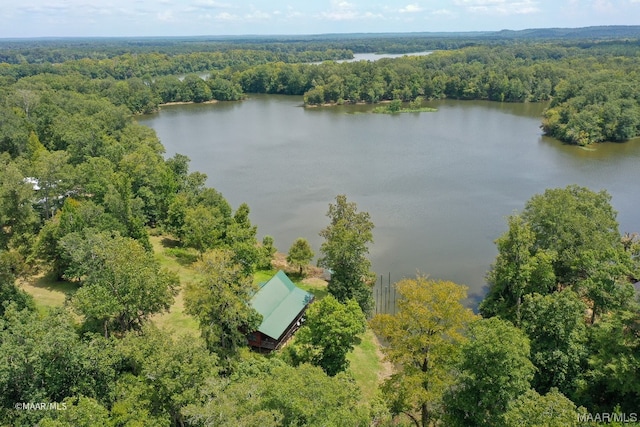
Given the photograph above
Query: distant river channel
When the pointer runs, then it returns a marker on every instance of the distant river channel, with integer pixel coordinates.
(438, 186)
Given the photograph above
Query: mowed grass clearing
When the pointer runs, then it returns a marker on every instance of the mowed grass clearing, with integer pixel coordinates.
(47, 291)
(176, 321)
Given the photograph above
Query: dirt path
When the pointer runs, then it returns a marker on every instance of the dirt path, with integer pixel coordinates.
(386, 367)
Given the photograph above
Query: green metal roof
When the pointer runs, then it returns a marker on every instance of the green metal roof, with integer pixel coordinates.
(279, 301)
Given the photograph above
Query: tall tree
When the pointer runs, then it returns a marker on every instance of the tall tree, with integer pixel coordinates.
(424, 339)
(300, 254)
(329, 334)
(123, 284)
(613, 374)
(580, 226)
(240, 238)
(120, 202)
(53, 175)
(533, 410)
(11, 266)
(78, 411)
(577, 224)
(494, 370)
(519, 270)
(170, 372)
(17, 215)
(220, 302)
(85, 219)
(267, 251)
(203, 228)
(43, 359)
(344, 252)
(555, 325)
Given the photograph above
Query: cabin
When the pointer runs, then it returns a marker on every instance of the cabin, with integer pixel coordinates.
(282, 305)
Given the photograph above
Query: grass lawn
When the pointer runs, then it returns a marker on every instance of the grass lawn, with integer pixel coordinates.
(180, 262)
(366, 365)
(47, 291)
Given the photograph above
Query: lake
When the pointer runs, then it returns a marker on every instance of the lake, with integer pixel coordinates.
(438, 186)
(376, 56)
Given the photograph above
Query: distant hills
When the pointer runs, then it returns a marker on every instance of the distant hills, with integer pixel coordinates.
(599, 32)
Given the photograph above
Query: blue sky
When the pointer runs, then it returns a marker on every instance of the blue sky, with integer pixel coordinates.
(53, 18)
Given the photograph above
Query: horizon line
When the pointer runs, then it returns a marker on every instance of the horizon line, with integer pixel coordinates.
(274, 35)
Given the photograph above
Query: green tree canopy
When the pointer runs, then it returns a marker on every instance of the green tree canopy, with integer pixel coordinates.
(329, 333)
(494, 370)
(78, 411)
(533, 410)
(344, 252)
(267, 251)
(220, 302)
(300, 254)
(123, 284)
(575, 223)
(43, 359)
(519, 270)
(170, 371)
(18, 218)
(283, 396)
(203, 228)
(564, 237)
(613, 373)
(424, 339)
(555, 325)
(240, 238)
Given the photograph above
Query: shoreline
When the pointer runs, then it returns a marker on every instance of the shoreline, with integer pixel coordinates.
(211, 101)
(336, 104)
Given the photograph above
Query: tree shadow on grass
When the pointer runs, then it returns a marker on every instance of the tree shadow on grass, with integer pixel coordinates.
(183, 256)
(318, 292)
(51, 283)
(168, 242)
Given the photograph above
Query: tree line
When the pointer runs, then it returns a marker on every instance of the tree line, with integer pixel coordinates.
(593, 89)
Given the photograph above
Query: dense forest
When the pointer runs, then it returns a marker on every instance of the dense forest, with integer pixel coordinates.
(591, 84)
(92, 209)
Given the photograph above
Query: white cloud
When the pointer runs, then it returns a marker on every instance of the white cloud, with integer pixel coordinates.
(340, 11)
(345, 11)
(226, 16)
(411, 8)
(603, 6)
(499, 7)
(165, 16)
(371, 15)
(52, 8)
(257, 15)
(210, 4)
(442, 12)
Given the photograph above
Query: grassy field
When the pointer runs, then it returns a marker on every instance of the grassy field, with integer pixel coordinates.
(47, 291)
(366, 365)
(180, 262)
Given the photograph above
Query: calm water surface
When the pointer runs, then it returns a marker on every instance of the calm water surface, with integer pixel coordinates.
(438, 186)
